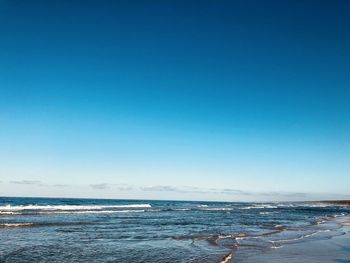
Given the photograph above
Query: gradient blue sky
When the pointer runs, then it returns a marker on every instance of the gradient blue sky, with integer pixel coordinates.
(202, 100)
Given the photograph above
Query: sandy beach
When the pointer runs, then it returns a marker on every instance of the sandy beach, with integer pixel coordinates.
(335, 249)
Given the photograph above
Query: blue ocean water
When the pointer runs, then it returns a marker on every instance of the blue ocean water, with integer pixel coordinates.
(96, 230)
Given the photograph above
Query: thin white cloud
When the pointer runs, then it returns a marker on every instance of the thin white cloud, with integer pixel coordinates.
(99, 186)
(193, 189)
(27, 182)
(103, 186)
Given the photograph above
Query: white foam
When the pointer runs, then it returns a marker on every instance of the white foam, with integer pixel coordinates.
(299, 238)
(181, 209)
(93, 212)
(9, 213)
(226, 236)
(263, 206)
(69, 207)
(264, 213)
(217, 209)
(276, 247)
(15, 224)
(309, 205)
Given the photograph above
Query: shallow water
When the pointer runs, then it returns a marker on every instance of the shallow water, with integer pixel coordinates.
(88, 230)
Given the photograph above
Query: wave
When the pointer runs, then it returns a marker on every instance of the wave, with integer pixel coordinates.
(92, 212)
(9, 208)
(216, 209)
(306, 205)
(41, 224)
(259, 207)
(277, 247)
(340, 215)
(5, 213)
(212, 239)
(265, 213)
(299, 238)
(16, 224)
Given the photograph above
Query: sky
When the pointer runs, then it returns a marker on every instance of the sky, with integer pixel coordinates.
(185, 100)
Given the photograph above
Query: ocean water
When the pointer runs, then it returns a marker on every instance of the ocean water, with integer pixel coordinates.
(95, 230)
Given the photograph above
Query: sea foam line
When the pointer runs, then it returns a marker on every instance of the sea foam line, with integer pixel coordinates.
(217, 209)
(299, 238)
(69, 207)
(259, 207)
(16, 224)
(92, 212)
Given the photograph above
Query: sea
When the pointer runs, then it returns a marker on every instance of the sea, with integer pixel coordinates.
(101, 230)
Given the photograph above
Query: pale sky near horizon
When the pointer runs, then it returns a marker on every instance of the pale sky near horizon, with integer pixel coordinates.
(186, 100)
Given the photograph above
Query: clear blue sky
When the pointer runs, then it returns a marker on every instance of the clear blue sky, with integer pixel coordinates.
(203, 100)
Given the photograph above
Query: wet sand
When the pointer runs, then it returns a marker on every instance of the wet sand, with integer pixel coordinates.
(336, 249)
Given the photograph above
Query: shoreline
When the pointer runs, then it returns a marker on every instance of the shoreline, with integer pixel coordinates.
(333, 249)
(337, 202)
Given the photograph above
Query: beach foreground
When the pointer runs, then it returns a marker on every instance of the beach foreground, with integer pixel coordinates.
(335, 249)
(97, 230)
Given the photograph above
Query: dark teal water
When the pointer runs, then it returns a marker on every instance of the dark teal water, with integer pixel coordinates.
(88, 230)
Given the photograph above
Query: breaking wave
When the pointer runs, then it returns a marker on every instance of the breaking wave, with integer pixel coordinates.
(16, 224)
(10, 209)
